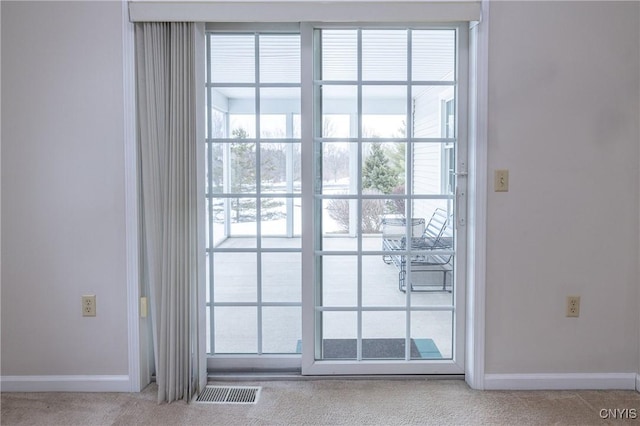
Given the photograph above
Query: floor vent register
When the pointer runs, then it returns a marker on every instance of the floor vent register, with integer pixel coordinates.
(229, 394)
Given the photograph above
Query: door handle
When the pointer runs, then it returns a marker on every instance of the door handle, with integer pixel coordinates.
(460, 221)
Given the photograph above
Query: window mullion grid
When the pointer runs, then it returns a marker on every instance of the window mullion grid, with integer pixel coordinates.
(408, 190)
(258, 195)
(253, 304)
(359, 194)
(399, 308)
(209, 160)
(253, 85)
(456, 156)
(242, 194)
(388, 196)
(289, 175)
(314, 158)
(226, 180)
(356, 140)
(253, 250)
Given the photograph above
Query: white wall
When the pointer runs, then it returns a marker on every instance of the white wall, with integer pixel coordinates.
(564, 108)
(63, 229)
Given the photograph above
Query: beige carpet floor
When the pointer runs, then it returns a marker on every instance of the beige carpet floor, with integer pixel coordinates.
(328, 402)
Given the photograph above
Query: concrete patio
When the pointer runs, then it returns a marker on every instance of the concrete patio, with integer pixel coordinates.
(235, 275)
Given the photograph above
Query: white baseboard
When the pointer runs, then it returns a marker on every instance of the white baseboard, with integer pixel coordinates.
(638, 382)
(626, 381)
(65, 384)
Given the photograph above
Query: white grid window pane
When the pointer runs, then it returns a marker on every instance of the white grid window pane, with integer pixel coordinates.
(339, 55)
(232, 58)
(433, 55)
(384, 55)
(247, 120)
(280, 58)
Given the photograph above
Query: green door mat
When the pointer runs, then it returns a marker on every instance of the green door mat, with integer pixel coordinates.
(377, 349)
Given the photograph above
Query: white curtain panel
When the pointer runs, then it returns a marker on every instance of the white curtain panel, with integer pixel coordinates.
(166, 98)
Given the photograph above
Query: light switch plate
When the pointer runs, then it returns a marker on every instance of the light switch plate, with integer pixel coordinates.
(143, 307)
(501, 180)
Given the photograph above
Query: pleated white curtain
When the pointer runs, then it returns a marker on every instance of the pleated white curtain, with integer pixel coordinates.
(166, 98)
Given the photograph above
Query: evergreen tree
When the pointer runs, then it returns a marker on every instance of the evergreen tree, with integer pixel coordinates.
(377, 173)
(397, 158)
(244, 159)
(243, 173)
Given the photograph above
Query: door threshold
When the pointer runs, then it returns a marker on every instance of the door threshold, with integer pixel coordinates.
(291, 376)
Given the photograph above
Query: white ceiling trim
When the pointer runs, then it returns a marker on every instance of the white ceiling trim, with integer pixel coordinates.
(304, 11)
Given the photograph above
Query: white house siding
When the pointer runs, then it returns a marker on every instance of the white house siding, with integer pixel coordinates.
(427, 157)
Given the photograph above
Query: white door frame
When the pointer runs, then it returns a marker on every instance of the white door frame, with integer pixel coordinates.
(475, 308)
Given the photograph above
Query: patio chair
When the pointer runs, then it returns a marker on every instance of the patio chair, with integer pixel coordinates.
(437, 235)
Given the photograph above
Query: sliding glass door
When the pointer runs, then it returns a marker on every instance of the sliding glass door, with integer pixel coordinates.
(388, 188)
(253, 153)
(336, 161)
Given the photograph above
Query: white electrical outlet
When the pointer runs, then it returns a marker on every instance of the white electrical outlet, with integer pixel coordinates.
(89, 305)
(573, 306)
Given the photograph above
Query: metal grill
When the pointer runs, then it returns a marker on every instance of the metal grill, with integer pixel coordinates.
(230, 394)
